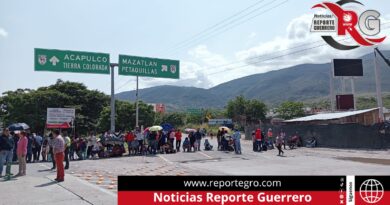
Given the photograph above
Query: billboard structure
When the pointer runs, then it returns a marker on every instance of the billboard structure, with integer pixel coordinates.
(348, 67)
(345, 102)
(345, 69)
(60, 118)
(158, 108)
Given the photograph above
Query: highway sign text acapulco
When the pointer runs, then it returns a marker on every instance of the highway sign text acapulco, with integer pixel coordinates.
(71, 61)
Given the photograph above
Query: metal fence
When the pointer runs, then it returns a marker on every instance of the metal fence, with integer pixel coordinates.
(341, 135)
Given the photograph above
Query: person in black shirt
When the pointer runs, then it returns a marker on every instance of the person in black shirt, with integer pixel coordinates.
(6, 152)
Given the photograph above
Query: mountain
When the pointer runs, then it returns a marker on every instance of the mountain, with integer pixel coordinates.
(176, 97)
(297, 83)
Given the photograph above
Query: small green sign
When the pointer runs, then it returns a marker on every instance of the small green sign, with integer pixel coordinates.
(194, 111)
(149, 67)
(71, 61)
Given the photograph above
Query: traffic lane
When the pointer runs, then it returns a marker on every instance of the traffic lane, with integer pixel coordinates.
(303, 165)
(300, 161)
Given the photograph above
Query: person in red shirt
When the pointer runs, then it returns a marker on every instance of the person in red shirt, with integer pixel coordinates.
(258, 138)
(270, 138)
(129, 139)
(178, 137)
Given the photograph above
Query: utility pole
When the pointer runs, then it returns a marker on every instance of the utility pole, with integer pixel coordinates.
(112, 104)
(378, 81)
(331, 87)
(136, 105)
(378, 87)
(353, 93)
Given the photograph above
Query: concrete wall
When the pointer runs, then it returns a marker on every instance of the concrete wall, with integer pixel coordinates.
(341, 136)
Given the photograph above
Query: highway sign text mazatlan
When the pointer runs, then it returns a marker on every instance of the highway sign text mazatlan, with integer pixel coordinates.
(149, 67)
(71, 61)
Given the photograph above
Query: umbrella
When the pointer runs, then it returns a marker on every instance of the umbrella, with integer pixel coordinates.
(225, 128)
(155, 128)
(167, 127)
(18, 127)
(188, 130)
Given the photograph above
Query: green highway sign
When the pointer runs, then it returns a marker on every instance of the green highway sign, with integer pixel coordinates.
(194, 111)
(71, 61)
(149, 67)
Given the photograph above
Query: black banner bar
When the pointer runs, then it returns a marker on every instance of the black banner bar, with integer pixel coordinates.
(231, 183)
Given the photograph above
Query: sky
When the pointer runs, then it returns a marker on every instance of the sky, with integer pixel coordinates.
(216, 41)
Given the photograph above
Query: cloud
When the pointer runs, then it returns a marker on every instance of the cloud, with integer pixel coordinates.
(252, 35)
(3, 33)
(202, 54)
(205, 68)
(295, 48)
(195, 71)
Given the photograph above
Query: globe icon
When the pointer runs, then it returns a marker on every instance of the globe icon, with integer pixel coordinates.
(371, 191)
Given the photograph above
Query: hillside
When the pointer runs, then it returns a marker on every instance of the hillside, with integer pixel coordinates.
(297, 83)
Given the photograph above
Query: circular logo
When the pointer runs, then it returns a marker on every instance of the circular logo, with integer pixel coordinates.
(371, 191)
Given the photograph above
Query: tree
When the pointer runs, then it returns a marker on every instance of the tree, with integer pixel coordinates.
(255, 110)
(194, 118)
(236, 108)
(125, 116)
(289, 110)
(30, 106)
(175, 119)
(246, 111)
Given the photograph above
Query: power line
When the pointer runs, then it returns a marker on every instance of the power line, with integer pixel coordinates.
(222, 25)
(273, 58)
(217, 24)
(280, 56)
(213, 34)
(268, 59)
(268, 54)
(123, 85)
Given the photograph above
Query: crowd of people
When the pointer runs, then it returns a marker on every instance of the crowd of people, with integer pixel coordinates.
(26, 147)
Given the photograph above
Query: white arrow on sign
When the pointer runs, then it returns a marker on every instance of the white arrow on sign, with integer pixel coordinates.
(54, 60)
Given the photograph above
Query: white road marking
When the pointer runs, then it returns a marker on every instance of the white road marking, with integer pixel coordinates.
(165, 159)
(208, 156)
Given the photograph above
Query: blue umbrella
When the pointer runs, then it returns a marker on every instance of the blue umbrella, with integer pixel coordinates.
(18, 127)
(167, 127)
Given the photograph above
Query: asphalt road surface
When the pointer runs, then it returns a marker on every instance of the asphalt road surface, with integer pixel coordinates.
(95, 181)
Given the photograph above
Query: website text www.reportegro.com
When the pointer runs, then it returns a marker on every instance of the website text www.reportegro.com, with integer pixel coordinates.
(240, 184)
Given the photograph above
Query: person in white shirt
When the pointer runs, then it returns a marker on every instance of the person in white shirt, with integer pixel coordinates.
(140, 138)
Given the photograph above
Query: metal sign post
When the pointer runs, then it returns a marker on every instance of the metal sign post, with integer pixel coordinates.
(353, 93)
(136, 105)
(331, 85)
(378, 87)
(112, 104)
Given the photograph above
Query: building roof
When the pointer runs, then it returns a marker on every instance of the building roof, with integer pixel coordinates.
(330, 116)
